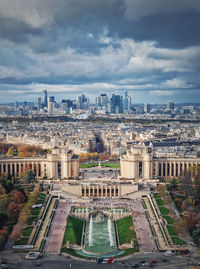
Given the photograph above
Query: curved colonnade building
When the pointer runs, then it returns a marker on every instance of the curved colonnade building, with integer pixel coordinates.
(139, 163)
(59, 164)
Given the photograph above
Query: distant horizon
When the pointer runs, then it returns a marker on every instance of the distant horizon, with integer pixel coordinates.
(150, 48)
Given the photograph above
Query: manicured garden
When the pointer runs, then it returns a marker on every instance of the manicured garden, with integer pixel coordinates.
(126, 231)
(73, 231)
(170, 221)
(89, 165)
(34, 213)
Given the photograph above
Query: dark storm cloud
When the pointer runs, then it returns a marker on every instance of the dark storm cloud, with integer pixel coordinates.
(71, 45)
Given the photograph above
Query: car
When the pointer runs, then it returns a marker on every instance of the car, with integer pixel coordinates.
(142, 261)
(135, 265)
(145, 264)
(4, 265)
(38, 264)
(153, 261)
(164, 260)
(168, 253)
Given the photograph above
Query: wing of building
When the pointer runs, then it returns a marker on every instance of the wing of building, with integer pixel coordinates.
(58, 164)
(139, 162)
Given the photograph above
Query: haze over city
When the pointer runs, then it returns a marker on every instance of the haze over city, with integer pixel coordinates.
(150, 48)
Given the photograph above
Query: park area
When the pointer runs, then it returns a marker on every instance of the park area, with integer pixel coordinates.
(73, 231)
(169, 217)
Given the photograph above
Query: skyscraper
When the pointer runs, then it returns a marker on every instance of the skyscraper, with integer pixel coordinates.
(170, 105)
(147, 108)
(51, 105)
(116, 104)
(102, 102)
(127, 102)
(39, 103)
(45, 98)
(83, 102)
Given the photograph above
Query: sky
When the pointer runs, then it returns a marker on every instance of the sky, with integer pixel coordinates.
(68, 47)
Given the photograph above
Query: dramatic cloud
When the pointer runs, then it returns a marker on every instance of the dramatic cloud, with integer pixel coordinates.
(92, 46)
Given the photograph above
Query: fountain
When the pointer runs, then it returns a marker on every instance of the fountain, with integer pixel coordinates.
(100, 235)
(90, 239)
(110, 232)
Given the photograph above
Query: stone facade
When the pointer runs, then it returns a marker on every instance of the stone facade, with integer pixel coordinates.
(139, 163)
(59, 164)
(101, 189)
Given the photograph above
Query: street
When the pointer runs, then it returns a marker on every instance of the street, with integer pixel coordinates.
(16, 260)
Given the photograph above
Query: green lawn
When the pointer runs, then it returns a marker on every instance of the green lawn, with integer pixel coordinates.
(40, 201)
(27, 231)
(159, 202)
(164, 210)
(88, 165)
(22, 241)
(125, 233)
(177, 241)
(31, 220)
(171, 230)
(157, 195)
(73, 231)
(42, 196)
(35, 211)
(112, 165)
(168, 219)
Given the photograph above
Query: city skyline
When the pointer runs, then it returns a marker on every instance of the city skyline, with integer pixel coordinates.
(149, 48)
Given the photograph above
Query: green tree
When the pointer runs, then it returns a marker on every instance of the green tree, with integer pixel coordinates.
(29, 177)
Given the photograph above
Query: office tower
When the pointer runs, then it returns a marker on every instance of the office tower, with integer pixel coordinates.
(51, 105)
(16, 104)
(127, 102)
(170, 105)
(83, 102)
(147, 108)
(45, 98)
(66, 103)
(116, 104)
(25, 103)
(39, 102)
(102, 102)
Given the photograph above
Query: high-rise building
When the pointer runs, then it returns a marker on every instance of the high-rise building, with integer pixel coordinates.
(16, 104)
(116, 104)
(170, 105)
(39, 104)
(45, 98)
(102, 102)
(127, 102)
(83, 102)
(51, 105)
(147, 108)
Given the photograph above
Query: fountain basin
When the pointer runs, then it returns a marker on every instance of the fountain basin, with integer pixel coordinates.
(100, 235)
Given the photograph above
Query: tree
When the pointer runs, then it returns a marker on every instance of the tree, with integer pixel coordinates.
(3, 219)
(19, 197)
(190, 220)
(10, 152)
(29, 177)
(186, 182)
(173, 186)
(13, 210)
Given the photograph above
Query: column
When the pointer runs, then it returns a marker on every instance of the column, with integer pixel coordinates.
(179, 168)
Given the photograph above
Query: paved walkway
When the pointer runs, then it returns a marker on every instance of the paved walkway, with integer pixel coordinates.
(54, 241)
(142, 229)
(45, 223)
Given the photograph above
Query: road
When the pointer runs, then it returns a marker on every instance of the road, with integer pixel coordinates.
(16, 261)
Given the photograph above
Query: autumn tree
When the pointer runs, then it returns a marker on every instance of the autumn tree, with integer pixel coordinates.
(13, 210)
(186, 182)
(190, 220)
(10, 152)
